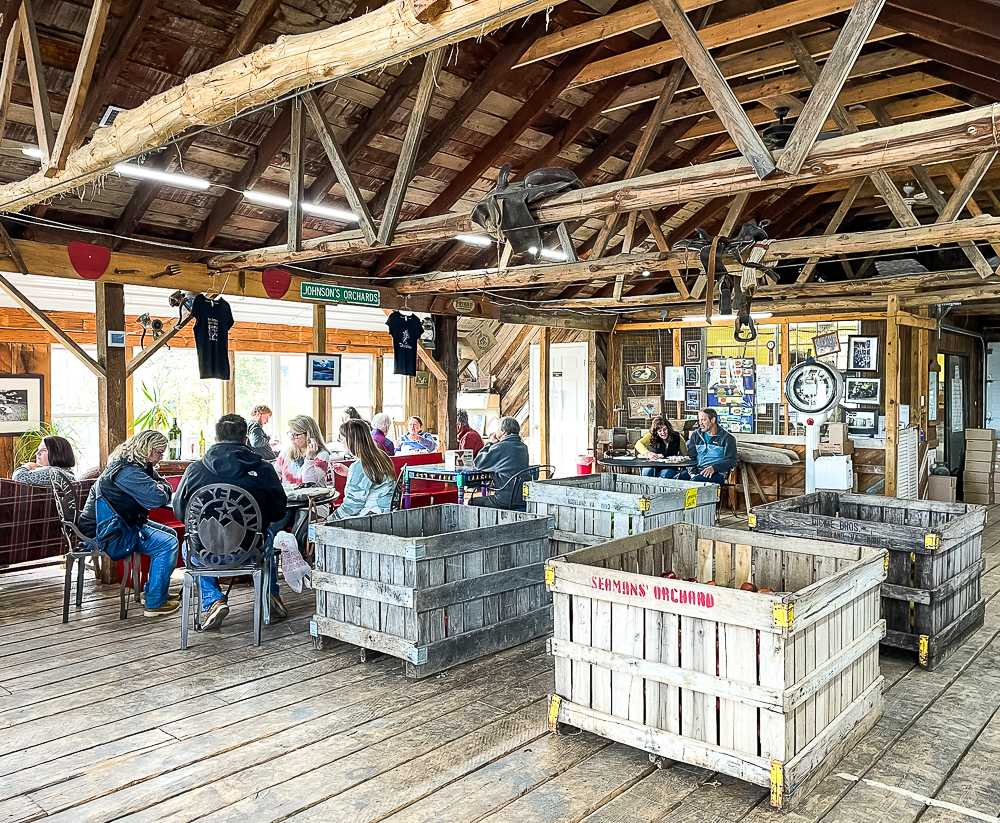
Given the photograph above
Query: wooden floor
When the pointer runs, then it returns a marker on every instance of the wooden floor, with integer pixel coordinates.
(104, 719)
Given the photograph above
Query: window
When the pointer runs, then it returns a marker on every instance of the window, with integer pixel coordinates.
(356, 383)
(294, 396)
(73, 389)
(393, 390)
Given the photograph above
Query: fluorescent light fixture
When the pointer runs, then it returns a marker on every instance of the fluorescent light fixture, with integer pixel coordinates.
(552, 254)
(474, 239)
(180, 181)
(645, 274)
(32, 151)
(329, 211)
(262, 198)
(697, 318)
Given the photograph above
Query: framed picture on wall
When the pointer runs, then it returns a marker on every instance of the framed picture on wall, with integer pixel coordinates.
(692, 351)
(863, 390)
(693, 400)
(422, 379)
(862, 353)
(645, 407)
(643, 373)
(692, 375)
(323, 370)
(21, 403)
(824, 344)
(861, 422)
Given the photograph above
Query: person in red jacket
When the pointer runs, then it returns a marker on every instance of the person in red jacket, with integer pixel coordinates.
(468, 438)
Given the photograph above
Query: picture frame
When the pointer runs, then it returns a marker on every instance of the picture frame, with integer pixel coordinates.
(692, 375)
(644, 408)
(861, 422)
(693, 400)
(826, 343)
(641, 374)
(866, 391)
(862, 353)
(422, 379)
(323, 370)
(692, 352)
(21, 403)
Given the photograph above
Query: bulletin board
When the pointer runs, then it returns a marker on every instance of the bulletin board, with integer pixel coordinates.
(731, 391)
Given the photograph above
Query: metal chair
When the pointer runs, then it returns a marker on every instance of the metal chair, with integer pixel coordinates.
(524, 476)
(225, 536)
(64, 492)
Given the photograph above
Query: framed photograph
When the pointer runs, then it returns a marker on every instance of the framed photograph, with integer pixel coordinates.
(862, 353)
(643, 373)
(861, 422)
(692, 375)
(824, 344)
(20, 403)
(422, 379)
(323, 370)
(645, 407)
(692, 352)
(864, 390)
(693, 400)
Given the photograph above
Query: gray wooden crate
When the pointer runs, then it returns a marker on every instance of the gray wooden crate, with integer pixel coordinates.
(932, 597)
(434, 586)
(770, 687)
(595, 508)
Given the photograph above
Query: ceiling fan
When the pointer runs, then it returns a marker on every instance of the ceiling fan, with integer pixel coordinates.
(776, 135)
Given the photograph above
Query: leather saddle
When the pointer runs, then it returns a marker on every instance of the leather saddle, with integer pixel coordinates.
(505, 210)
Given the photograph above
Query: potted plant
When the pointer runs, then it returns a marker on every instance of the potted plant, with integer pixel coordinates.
(157, 414)
(27, 443)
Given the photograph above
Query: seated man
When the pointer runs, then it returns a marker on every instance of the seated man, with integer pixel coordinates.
(468, 437)
(713, 447)
(231, 461)
(506, 455)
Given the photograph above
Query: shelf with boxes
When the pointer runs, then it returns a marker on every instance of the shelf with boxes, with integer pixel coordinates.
(981, 466)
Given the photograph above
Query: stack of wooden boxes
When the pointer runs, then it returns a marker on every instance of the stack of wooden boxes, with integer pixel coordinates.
(980, 466)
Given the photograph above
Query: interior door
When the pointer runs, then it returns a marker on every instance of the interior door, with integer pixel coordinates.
(569, 393)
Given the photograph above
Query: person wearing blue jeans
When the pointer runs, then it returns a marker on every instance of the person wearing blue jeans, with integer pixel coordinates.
(116, 514)
(713, 448)
(232, 461)
(660, 441)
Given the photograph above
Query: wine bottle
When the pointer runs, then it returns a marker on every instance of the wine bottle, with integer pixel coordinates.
(201, 443)
(174, 441)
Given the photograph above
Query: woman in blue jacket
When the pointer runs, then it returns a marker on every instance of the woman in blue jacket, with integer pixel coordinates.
(371, 478)
(117, 514)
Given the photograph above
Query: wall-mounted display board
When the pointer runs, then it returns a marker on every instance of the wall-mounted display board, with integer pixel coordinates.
(731, 388)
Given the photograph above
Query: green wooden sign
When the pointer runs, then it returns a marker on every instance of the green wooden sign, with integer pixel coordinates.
(339, 294)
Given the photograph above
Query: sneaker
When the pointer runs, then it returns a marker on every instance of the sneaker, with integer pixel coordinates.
(277, 607)
(213, 618)
(168, 607)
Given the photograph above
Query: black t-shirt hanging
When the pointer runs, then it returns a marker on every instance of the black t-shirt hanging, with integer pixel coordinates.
(213, 320)
(405, 330)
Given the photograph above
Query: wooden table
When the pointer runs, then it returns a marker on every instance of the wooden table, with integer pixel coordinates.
(638, 463)
(437, 472)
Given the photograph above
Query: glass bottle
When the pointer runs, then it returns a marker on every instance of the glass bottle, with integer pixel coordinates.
(174, 441)
(201, 443)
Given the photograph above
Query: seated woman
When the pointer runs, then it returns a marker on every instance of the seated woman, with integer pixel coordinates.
(350, 413)
(381, 423)
(53, 451)
(660, 441)
(415, 439)
(307, 459)
(370, 479)
(117, 514)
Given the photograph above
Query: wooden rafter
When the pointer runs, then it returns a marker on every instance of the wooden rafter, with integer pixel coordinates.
(967, 186)
(338, 162)
(36, 79)
(296, 172)
(828, 85)
(838, 216)
(72, 122)
(8, 18)
(156, 345)
(382, 37)
(249, 29)
(411, 145)
(12, 43)
(714, 85)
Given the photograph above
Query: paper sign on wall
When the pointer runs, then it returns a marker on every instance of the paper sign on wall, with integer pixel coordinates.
(673, 383)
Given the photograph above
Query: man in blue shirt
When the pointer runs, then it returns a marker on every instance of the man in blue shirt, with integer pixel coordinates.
(713, 447)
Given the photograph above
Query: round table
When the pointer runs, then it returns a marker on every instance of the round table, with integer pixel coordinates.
(639, 463)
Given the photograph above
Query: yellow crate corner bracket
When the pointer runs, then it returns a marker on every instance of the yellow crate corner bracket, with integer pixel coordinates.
(932, 541)
(550, 575)
(554, 701)
(777, 782)
(783, 614)
(751, 521)
(923, 649)
(525, 491)
(690, 499)
(643, 503)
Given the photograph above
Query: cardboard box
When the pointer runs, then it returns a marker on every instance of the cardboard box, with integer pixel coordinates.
(837, 433)
(980, 434)
(941, 488)
(978, 499)
(458, 459)
(981, 466)
(835, 473)
(977, 479)
(827, 449)
(980, 449)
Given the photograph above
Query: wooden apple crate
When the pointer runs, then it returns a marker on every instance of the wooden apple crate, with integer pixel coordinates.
(595, 508)
(769, 688)
(434, 586)
(932, 599)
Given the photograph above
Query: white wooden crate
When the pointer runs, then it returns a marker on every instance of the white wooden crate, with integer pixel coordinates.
(772, 688)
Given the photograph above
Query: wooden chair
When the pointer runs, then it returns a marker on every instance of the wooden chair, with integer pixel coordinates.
(398, 430)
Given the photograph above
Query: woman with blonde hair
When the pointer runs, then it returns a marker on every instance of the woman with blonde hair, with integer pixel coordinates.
(381, 423)
(307, 459)
(371, 477)
(117, 514)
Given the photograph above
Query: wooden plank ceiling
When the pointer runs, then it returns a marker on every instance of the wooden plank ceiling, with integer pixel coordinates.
(575, 88)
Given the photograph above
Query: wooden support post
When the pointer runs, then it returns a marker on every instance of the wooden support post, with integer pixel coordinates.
(229, 388)
(784, 357)
(11, 48)
(544, 393)
(111, 409)
(892, 365)
(447, 348)
(36, 80)
(592, 392)
(378, 384)
(296, 169)
(321, 397)
(675, 339)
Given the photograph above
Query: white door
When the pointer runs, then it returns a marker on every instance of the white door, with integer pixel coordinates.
(569, 394)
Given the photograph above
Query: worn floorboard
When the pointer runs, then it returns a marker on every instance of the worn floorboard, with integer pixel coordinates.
(103, 720)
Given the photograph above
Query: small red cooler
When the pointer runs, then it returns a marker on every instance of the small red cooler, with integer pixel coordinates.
(585, 464)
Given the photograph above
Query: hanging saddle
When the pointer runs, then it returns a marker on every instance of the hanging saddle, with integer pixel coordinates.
(735, 294)
(505, 210)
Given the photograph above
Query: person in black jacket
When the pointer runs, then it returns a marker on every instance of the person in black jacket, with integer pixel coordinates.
(231, 461)
(506, 455)
(257, 438)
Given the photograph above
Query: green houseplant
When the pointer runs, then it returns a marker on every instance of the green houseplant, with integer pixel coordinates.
(26, 445)
(156, 415)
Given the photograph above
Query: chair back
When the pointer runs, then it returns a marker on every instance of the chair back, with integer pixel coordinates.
(64, 492)
(224, 528)
(397, 493)
(524, 476)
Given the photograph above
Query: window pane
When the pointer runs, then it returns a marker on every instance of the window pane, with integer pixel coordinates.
(253, 383)
(355, 386)
(81, 431)
(296, 398)
(74, 406)
(393, 390)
